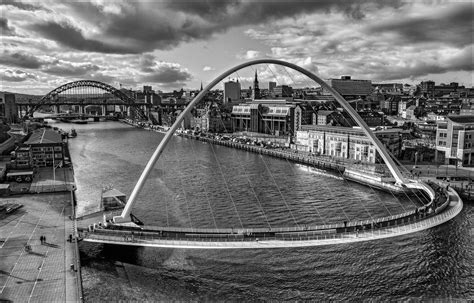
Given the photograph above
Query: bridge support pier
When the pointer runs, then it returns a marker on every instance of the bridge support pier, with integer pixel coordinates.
(104, 110)
(57, 109)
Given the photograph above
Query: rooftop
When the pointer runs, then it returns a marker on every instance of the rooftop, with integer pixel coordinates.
(464, 119)
(44, 136)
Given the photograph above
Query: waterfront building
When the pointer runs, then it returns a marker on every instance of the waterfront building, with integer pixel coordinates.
(276, 117)
(21, 157)
(232, 92)
(455, 141)
(350, 88)
(336, 141)
(345, 142)
(47, 147)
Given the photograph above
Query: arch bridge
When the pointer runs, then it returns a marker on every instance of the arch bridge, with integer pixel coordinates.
(80, 90)
(124, 229)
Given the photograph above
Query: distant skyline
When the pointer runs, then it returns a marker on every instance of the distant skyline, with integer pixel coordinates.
(179, 44)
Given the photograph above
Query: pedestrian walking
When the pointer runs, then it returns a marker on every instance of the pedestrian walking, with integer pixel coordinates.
(41, 239)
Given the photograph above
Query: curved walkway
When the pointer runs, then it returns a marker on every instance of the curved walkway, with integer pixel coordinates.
(303, 239)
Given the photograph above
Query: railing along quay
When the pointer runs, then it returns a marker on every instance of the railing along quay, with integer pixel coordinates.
(294, 157)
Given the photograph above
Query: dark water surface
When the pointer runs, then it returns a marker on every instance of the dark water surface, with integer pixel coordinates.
(200, 185)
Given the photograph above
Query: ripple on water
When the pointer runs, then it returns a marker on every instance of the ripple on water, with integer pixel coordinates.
(437, 263)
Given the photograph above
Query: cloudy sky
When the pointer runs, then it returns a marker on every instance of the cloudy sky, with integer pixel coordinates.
(171, 44)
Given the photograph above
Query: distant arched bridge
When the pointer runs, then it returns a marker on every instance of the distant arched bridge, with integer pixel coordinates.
(85, 92)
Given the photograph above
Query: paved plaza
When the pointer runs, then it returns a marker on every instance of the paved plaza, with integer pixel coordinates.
(31, 271)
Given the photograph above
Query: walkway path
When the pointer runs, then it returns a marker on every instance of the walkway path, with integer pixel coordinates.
(42, 274)
(303, 239)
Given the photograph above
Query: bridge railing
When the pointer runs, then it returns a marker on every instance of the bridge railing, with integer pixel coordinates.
(399, 226)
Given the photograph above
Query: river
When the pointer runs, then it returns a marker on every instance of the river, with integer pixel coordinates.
(196, 184)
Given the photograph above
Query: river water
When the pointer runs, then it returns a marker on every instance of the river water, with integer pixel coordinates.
(196, 184)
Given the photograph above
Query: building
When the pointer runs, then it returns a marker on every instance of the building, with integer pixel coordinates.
(324, 117)
(346, 143)
(21, 157)
(455, 141)
(47, 147)
(283, 91)
(390, 105)
(336, 141)
(8, 108)
(271, 86)
(351, 89)
(389, 88)
(214, 121)
(427, 88)
(372, 118)
(276, 117)
(411, 112)
(232, 92)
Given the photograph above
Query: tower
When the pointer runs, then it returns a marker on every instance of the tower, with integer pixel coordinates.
(256, 89)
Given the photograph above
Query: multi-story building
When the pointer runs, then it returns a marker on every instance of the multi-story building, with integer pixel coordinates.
(336, 141)
(372, 118)
(271, 86)
(231, 92)
(276, 117)
(455, 141)
(390, 105)
(8, 108)
(427, 88)
(47, 147)
(283, 91)
(345, 142)
(21, 158)
(351, 89)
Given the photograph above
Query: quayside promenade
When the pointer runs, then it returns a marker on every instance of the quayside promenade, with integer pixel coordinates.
(446, 206)
(36, 271)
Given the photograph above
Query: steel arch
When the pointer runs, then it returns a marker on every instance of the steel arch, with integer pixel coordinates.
(88, 83)
(400, 179)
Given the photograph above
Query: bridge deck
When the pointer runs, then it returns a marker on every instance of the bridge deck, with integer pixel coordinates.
(278, 237)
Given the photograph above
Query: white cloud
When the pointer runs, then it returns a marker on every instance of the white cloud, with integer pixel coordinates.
(208, 68)
(248, 55)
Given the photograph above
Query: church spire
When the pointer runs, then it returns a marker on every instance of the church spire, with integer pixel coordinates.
(256, 89)
(201, 86)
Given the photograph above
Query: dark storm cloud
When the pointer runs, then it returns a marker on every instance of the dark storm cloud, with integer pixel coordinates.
(22, 5)
(5, 29)
(166, 74)
(162, 72)
(17, 76)
(70, 36)
(144, 26)
(454, 27)
(61, 68)
(20, 60)
(238, 12)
